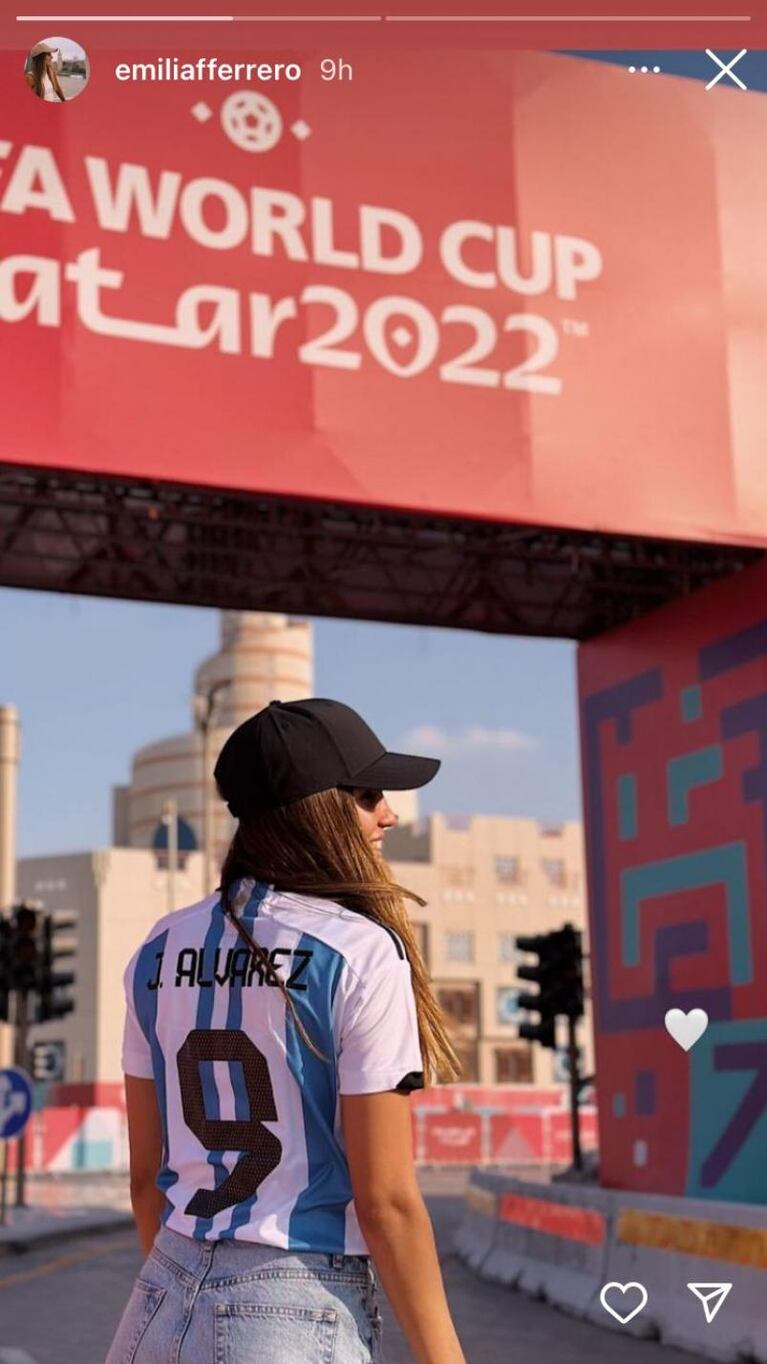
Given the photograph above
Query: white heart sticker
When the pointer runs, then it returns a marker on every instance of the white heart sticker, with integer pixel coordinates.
(627, 1312)
(686, 1028)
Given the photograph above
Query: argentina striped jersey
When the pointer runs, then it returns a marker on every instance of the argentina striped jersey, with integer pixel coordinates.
(252, 1142)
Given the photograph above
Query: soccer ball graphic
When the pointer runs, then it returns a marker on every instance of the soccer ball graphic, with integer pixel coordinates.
(251, 121)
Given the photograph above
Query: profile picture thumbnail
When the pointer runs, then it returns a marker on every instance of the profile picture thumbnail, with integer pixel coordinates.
(57, 70)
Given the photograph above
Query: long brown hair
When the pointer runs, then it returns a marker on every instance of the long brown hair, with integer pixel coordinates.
(316, 846)
(42, 65)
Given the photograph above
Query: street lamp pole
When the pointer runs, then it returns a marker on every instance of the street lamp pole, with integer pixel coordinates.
(170, 820)
(10, 745)
(204, 709)
(9, 762)
(207, 804)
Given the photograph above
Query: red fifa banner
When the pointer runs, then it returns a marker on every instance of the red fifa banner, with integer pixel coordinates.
(450, 1138)
(506, 1097)
(519, 1138)
(560, 1135)
(509, 286)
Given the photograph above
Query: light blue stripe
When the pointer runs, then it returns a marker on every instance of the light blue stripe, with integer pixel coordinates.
(145, 1003)
(318, 1219)
(699, 768)
(691, 702)
(205, 1002)
(241, 1212)
(627, 806)
(724, 865)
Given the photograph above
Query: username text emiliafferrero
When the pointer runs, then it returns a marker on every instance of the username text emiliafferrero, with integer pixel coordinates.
(206, 68)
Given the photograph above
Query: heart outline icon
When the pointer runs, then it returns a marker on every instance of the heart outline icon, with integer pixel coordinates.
(623, 1288)
(686, 1028)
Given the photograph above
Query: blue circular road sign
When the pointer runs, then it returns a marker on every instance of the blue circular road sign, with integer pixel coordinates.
(16, 1096)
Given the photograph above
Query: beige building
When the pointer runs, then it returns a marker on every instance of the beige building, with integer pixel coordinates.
(486, 880)
(117, 895)
(262, 657)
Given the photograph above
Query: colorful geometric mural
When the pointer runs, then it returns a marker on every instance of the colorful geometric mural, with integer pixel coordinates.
(674, 755)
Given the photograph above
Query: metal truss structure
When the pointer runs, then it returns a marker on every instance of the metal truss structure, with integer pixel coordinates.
(104, 536)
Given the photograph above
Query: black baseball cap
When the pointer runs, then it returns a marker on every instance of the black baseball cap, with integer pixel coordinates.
(293, 749)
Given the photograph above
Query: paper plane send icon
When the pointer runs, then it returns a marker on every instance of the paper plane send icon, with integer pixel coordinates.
(711, 1295)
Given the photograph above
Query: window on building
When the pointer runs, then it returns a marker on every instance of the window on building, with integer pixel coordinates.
(457, 876)
(513, 1065)
(459, 1005)
(562, 1064)
(508, 870)
(459, 946)
(468, 1061)
(554, 870)
(421, 932)
(507, 1004)
(506, 948)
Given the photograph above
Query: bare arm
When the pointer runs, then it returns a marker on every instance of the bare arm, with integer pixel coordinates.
(395, 1222)
(145, 1141)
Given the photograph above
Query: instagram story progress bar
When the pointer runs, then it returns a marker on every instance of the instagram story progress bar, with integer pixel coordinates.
(384, 18)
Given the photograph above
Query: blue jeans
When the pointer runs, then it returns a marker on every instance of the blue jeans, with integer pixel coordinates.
(233, 1302)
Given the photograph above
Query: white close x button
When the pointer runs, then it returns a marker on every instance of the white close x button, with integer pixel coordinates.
(726, 68)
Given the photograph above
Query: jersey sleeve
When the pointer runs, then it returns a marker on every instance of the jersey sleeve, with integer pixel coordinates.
(379, 1047)
(136, 1052)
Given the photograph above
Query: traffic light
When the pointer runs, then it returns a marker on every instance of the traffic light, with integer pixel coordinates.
(544, 976)
(570, 972)
(559, 976)
(50, 981)
(6, 980)
(24, 943)
(544, 1032)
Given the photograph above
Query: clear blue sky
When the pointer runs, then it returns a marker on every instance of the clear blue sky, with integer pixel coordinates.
(96, 679)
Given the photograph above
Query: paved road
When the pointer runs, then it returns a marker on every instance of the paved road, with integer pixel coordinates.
(60, 1305)
(72, 86)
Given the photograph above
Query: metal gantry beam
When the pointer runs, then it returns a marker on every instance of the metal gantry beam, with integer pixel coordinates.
(102, 536)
